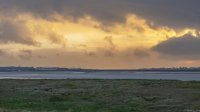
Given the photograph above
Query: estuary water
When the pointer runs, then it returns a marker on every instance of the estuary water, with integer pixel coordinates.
(184, 76)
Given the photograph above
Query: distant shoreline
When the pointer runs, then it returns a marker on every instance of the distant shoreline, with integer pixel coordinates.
(57, 69)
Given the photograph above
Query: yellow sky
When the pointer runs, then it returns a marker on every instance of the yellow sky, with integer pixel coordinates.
(88, 34)
(90, 37)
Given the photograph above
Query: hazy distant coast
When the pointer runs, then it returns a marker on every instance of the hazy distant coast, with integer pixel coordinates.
(32, 69)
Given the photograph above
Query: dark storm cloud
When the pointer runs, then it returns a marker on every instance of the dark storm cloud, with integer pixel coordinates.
(186, 47)
(173, 13)
(11, 31)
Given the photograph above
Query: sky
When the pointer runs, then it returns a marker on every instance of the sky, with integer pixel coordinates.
(100, 34)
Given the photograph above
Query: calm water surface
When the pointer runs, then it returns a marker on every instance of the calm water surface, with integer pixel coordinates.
(185, 76)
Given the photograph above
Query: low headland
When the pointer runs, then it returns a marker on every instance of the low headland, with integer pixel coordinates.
(40, 69)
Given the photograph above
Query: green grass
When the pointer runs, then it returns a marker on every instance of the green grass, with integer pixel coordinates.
(99, 96)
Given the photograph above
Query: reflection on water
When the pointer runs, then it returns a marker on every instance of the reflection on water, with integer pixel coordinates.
(185, 76)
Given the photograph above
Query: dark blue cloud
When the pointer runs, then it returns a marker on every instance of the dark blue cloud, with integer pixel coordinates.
(172, 13)
(16, 32)
(186, 47)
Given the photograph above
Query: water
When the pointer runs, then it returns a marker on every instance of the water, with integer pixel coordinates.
(184, 76)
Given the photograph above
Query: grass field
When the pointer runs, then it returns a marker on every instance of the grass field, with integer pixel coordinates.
(99, 96)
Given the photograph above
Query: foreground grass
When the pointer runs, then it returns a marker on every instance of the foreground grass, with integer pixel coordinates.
(99, 96)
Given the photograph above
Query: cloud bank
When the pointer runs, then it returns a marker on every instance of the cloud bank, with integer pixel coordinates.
(172, 13)
(99, 33)
(185, 47)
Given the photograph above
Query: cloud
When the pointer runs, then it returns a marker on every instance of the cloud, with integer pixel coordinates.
(12, 31)
(108, 50)
(109, 40)
(138, 53)
(91, 31)
(25, 54)
(29, 24)
(98, 59)
(185, 47)
(41, 57)
(142, 53)
(87, 53)
(2, 53)
(57, 38)
(63, 58)
(5, 54)
(173, 13)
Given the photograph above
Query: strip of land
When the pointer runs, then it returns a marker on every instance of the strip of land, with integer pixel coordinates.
(99, 96)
